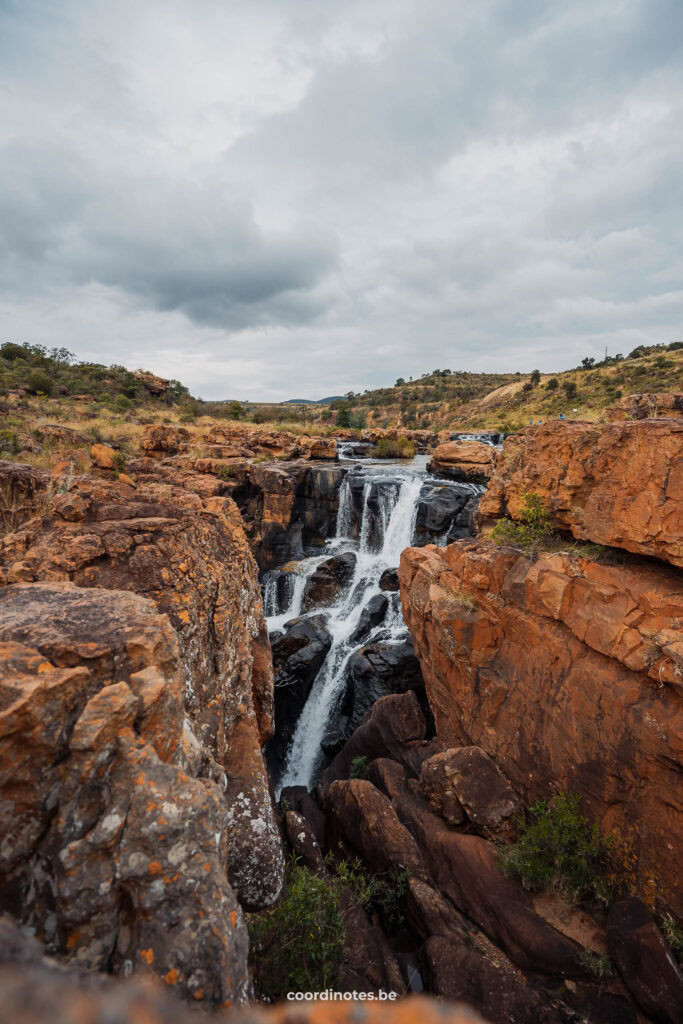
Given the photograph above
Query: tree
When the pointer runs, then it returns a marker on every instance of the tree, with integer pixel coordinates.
(344, 417)
(535, 377)
(399, 382)
(569, 388)
(588, 362)
(39, 383)
(552, 384)
(235, 410)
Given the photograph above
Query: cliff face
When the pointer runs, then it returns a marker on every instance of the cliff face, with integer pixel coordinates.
(567, 671)
(619, 484)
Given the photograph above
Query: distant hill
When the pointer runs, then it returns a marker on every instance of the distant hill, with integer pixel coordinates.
(311, 401)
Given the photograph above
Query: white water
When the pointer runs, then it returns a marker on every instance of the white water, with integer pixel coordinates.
(398, 499)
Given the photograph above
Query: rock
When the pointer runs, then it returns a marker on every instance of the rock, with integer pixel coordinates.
(464, 781)
(644, 961)
(464, 868)
(388, 581)
(395, 728)
(594, 649)
(369, 964)
(456, 972)
(111, 854)
(388, 777)
(464, 460)
(619, 484)
(159, 440)
(57, 435)
(192, 559)
(23, 489)
(329, 581)
(155, 385)
(103, 456)
(297, 798)
(361, 814)
(301, 838)
(372, 615)
(298, 654)
(430, 913)
(445, 512)
(643, 407)
(379, 669)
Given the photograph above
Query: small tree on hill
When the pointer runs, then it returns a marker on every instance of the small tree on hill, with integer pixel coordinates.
(535, 377)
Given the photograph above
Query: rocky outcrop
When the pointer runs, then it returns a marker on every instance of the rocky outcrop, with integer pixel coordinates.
(445, 512)
(23, 491)
(273, 443)
(112, 853)
(594, 649)
(191, 558)
(470, 461)
(329, 580)
(159, 441)
(618, 484)
(155, 385)
(465, 783)
(644, 407)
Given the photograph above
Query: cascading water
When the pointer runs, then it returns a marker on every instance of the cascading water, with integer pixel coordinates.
(376, 520)
(397, 511)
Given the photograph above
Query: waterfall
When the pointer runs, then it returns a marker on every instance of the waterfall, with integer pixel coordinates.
(275, 619)
(396, 524)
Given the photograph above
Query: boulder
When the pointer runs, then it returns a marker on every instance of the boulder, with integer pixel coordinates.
(103, 456)
(155, 385)
(329, 581)
(619, 484)
(366, 821)
(377, 670)
(469, 461)
(388, 581)
(371, 616)
(160, 440)
(191, 558)
(595, 649)
(645, 962)
(302, 840)
(466, 782)
(112, 854)
(297, 798)
(445, 512)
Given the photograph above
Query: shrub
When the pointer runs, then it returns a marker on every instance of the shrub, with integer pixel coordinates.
(599, 964)
(533, 528)
(38, 382)
(298, 946)
(552, 384)
(359, 766)
(535, 377)
(558, 848)
(569, 388)
(673, 934)
(401, 448)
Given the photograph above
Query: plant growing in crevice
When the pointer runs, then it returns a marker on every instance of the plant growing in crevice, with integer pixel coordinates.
(532, 530)
(359, 767)
(598, 964)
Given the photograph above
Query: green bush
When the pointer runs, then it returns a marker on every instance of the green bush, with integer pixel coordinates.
(533, 528)
(553, 384)
(298, 946)
(557, 848)
(38, 382)
(399, 448)
(359, 766)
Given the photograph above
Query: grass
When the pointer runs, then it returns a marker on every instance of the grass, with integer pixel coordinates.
(531, 532)
(598, 964)
(556, 848)
(673, 933)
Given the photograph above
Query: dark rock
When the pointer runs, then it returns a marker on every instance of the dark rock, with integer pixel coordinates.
(445, 513)
(395, 728)
(335, 738)
(372, 615)
(430, 913)
(329, 581)
(366, 821)
(368, 962)
(388, 776)
(301, 838)
(645, 962)
(466, 781)
(388, 581)
(298, 654)
(297, 798)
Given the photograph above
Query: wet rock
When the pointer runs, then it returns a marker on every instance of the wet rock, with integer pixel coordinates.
(388, 581)
(645, 962)
(465, 781)
(360, 814)
(111, 854)
(329, 581)
(444, 513)
(298, 654)
(335, 738)
(377, 670)
(372, 616)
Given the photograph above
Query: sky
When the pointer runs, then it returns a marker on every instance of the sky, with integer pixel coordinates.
(269, 199)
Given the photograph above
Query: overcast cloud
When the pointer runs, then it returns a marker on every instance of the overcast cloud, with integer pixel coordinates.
(294, 198)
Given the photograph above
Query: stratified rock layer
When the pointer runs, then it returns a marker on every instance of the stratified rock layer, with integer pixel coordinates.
(464, 460)
(568, 673)
(190, 556)
(619, 484)
(110, 853)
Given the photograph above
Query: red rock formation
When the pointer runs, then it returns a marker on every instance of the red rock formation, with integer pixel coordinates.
(643, 407)
(464, 460)
(111, 853)
(230, 440)
(155, 385)
(192, 559)
(159, 441)
(568, 673)
(619, 484)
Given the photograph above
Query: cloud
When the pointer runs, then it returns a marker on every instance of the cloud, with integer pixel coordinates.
(275, 197)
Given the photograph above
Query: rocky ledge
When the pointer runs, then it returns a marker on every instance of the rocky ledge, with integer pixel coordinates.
(470, 461)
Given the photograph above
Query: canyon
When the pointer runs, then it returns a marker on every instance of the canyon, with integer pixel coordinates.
(252, 644)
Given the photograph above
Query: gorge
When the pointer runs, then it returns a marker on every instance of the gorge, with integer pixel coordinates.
(251, 646)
